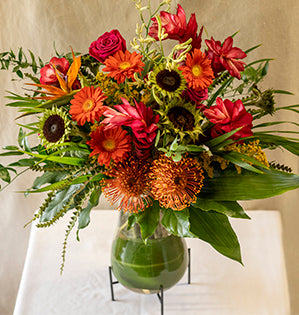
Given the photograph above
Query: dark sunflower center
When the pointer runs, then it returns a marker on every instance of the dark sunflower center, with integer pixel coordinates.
(168, 80)
(181, 118)
(53, 128)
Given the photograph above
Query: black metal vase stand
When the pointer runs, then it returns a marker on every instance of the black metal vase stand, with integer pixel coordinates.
(160, 294)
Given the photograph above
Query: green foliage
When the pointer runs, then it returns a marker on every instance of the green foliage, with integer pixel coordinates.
(215, 229)
(265, 185)
(229, 208)
(20, 62)
(148, 220)
(177, 222)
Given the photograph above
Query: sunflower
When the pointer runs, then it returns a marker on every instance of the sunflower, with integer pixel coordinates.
(175, 184)
(123, 65)
(111, 144)
(128, 183)
(198, 70)
(181, 118)
(87, 105)
(54, 127)
(167, 82)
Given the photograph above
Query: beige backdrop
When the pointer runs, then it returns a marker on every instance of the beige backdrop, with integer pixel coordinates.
(36, 24)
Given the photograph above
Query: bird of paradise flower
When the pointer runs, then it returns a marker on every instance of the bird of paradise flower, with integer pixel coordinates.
(65, 81)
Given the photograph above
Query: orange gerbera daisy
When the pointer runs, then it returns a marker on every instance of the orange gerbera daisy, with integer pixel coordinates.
(87, 105)
(128, 183)
(112, 144)
(175, 184)
(123, 65)
(197, 71)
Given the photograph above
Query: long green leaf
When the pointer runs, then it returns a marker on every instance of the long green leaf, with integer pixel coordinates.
(229, 186)
(282, 92)
(48, 178)
(273, 123)
(252, 48)
(229, 208)
(217, 142)
(215, 229)
(242, 160)
(220, 89)
(258, 61)
(270, 140)
(59, 159)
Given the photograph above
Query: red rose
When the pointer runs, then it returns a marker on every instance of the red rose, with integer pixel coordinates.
(228, 116)
(48, 75)
(106, 45)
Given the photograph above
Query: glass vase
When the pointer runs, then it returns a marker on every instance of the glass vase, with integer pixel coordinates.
(143, 268)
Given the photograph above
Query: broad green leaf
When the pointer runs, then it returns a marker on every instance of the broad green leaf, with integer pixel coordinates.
(228, 185)
(24, 162)
(84, 218)
(176, 222)
(48, 177)
(132, 220)
(58, 202)
(23, 141)
(215, 229)
(4, 174)
(229, 208)
(149, 220)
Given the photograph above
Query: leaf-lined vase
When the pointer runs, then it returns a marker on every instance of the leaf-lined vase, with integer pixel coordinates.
(145, 267)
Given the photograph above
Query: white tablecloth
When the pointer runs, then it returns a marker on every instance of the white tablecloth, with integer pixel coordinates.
(218, 286)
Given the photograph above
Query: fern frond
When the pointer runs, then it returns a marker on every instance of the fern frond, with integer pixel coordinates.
(57, 216)
(70, 226)
(280, 167)
(42, 208)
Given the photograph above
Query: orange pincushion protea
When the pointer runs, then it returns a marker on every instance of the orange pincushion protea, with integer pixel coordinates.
(112, 144)
(123, 65)
(198, 70)
(129, 184)
(175, 184)
(87, 105)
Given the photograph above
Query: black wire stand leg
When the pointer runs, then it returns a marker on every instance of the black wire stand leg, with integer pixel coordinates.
(189, 265)
(111, 283)
(161, 299)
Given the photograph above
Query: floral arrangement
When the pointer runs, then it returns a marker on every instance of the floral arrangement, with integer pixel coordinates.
(160, 131)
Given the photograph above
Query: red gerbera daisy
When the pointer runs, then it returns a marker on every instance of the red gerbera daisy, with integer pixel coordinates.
(197, 71)
(123, 65)
(112, 144)
(175, 184)
(87, 105)
(129, 184)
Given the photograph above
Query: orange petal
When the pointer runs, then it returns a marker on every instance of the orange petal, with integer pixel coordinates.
(73, 71)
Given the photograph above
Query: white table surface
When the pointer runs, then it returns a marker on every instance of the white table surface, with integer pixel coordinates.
(219, 286)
